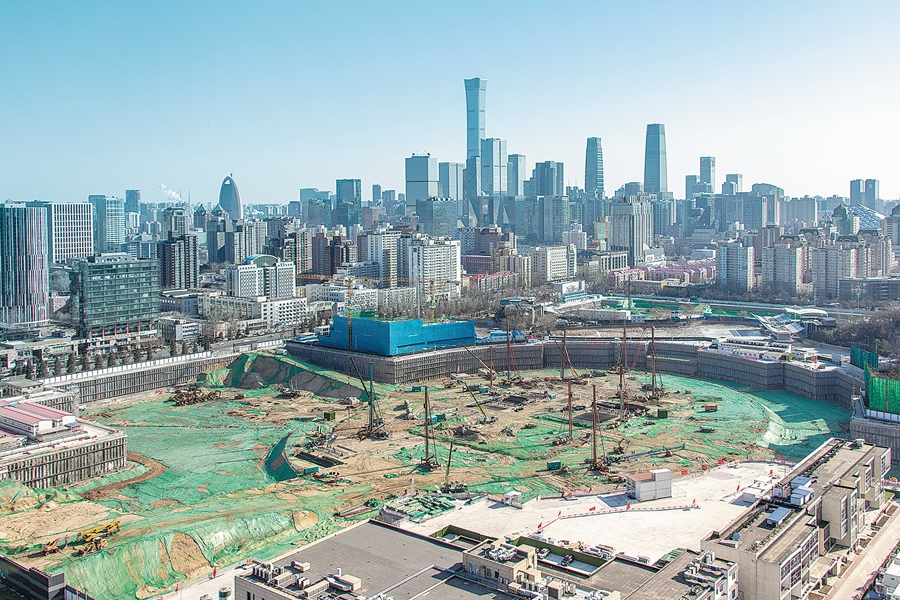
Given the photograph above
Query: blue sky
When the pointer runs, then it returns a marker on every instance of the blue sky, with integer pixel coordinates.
(98, 97)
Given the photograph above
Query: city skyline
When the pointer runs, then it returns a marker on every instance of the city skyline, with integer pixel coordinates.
(179, 106)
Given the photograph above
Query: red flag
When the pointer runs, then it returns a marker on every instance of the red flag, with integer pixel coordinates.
(560, 512)
(540, 525)
(628, 507)
(593, 508)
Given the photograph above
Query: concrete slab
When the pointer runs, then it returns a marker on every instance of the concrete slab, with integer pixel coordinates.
(633, 532)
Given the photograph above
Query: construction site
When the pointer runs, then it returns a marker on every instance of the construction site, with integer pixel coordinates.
(272, 452)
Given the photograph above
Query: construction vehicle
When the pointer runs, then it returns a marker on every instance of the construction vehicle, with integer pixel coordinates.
(95, 545)
(100, 532)
(429, 461)
(621, 446)
(185, 397)
(289, 392)
(375, 428)
(485, 419)
(452, 488)
(53, 546)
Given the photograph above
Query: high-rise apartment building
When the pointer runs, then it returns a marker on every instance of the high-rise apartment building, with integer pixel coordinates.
(494, 167)
(230, 198)
(174, 221)
(655, 168)
(734, 266)
(549, 179)
(708, 171)
(422, 180)
(476, 90)
(24, 258)
(114, 293)
(261, 275)
(133, 201)
(71, 229)
(179, 262)
(631, 227)
(783, 268)
(109, 223)
(593, 169)
(515, 175)
(435, 263)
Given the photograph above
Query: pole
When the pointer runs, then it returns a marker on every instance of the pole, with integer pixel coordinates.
(508, 353)
(427, 426)
(571, 432)
(562, 356)
(653, 361)
(594, 428)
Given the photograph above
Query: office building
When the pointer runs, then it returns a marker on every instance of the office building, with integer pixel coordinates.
(230, 199)
(708, 171)
(663, 216)
(422, 180)
(71, 229)
(865, 192)
(734, 266)
(174, 221)
(494, 167)
(472, 182)
(737, 179)
(593, 169)
(655, 169)
(631, 227)
(437, 216)
(109, 223)
(113, 294)
(450, 179)
(475, 97)
(515, 175)
(376, 193)
(133, 201)
(691, 183)
(554, 218)
(549, 179)
(347, 209)
(179, 262)
(24, 256)
(261, 275)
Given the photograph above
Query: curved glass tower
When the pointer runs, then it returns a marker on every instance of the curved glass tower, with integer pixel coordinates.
(655, 171)
(230, 199)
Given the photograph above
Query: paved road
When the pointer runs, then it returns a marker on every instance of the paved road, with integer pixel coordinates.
(849, 586)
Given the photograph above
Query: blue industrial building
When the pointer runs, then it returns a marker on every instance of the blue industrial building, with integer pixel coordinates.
(389, 338)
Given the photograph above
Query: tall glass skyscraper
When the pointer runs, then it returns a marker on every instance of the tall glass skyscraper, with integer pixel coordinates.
(25, 274)
(475, 95)
(494, 167)
(133, 201)
(109, 223)
(593, 169)
(230, 199)
(708, 170)
(655, 170)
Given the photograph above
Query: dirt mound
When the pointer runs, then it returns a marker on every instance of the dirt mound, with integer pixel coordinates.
(304, 519)
(252, 371)
(187, 558)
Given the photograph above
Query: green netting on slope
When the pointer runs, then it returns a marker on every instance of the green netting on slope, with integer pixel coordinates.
(276, 464)
(253, 371)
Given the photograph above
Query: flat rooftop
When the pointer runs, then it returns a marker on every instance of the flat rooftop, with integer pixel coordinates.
(388, 559)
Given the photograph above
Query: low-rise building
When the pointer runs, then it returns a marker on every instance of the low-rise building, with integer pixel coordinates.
(649, 485)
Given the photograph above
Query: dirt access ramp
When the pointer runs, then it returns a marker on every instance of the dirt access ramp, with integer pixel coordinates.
(154, 469)
(253, 371)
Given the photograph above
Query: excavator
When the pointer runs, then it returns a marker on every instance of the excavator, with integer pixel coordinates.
(53, 546)
(452, 488)
(95, 545)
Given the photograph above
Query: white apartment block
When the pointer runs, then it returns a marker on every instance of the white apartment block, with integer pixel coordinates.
(435, 262)
(285, 312)
(734, 266)
(828, 265)
(71, 228)
(784, 267)
(261, 275)
(555, 263)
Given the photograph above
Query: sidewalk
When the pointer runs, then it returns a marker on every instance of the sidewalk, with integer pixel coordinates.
(849, 585)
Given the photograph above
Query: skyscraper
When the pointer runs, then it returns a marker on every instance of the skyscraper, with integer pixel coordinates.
(593, 169)
(690, 184)
(133, 201)
(376, 193)
(422, 181)
(230, 198)
(737, 179)
(631, 227)
(437, 216)
(708, 171)
(109, 223)
(655, 169)
(872, 194)
(515, 175)
(493, 167)
(450, 178)
(548, 179)
(475, 95)
(347, 202)
(25, 275)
